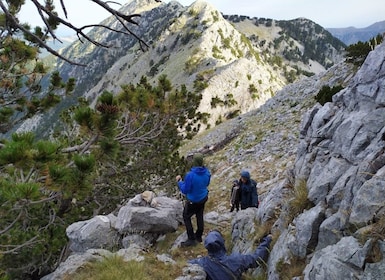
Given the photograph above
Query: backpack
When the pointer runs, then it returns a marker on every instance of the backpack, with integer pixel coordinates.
(256, 199)
(235, 192)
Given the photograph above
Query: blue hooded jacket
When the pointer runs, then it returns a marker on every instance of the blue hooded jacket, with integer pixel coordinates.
(236, 263)
(195, 184)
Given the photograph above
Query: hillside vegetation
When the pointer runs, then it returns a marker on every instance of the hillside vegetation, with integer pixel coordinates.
(235, 64)
(89, 138)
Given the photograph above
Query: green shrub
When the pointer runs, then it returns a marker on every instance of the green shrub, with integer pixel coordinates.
(357, 53)
(326, 94)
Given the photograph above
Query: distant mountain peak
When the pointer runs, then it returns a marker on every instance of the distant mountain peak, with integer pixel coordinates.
(235, 62)
(140, 6)
(351, 35)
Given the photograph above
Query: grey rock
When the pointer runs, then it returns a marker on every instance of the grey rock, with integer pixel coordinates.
(166, 259)
(164, 218)
(306, 231)
(280, 253)
(344, 260)
(96, 233)
(192, 272)
(243, 228)
(76, 261)
(369, 200)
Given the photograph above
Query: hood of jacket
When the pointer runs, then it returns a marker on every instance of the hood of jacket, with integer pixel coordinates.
(200, 170)
(215, 244)
(245, 174)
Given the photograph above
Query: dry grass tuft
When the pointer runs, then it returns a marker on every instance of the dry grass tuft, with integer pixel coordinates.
(300, 201)
(291, 269)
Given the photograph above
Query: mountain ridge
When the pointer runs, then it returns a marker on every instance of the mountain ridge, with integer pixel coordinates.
(351, 35)
(197, 47)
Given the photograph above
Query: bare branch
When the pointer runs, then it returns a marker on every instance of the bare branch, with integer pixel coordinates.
(17, 247)
(129, 134)
(43, 200)
(82, 148)
(122, 18)
(12, 224)
(63, 8)
(75, 148)
(116, 13)
(41, 43)
(42, 11)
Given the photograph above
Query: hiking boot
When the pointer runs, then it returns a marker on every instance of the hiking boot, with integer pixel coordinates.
(188, 243)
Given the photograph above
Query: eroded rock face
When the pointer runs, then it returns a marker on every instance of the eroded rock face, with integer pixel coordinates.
(341, 157)
(95, 233)
(344, 260)
(138, 225)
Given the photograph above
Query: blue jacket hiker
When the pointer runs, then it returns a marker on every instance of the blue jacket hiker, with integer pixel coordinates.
(249, 194)
(220, 266)
(195, 187)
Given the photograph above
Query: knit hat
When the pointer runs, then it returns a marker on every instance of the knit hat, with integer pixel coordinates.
(198, 159)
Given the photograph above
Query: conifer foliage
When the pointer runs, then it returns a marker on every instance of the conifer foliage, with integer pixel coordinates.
(96, 156)
(124, 145)
(357, 53)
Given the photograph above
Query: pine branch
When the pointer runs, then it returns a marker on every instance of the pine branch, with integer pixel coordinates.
(13, 26)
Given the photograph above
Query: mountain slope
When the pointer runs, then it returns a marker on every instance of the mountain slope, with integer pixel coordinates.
(233, 66)
(335, 152)
(286, 137)
(301, 43)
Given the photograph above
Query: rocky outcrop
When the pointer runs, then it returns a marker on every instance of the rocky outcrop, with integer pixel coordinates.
(341, 158)
(140, 222)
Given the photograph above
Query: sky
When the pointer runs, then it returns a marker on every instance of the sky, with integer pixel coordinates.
(327, 13)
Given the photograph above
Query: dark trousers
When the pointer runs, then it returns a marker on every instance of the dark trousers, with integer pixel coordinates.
(191, 209)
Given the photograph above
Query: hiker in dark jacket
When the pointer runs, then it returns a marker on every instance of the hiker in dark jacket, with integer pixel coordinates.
(249, 195)
(194, 186)
(220, 266)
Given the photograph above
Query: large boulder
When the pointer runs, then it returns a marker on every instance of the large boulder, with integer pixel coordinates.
(76, 261)
(139, 223)
(163, 218)
(344, 260)
(369, 200)
(96, 233)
